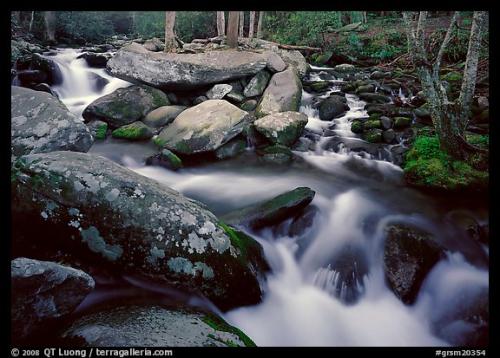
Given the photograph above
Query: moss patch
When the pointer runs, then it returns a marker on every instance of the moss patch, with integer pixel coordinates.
(100, 132)
(428, 166)
(134, 131)
(219, 324)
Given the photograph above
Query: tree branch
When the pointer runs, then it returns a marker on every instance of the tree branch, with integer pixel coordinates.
(447, 38)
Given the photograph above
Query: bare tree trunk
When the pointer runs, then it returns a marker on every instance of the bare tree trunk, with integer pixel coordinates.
(31, 21)
(170, 42)
(470, 71)
(232, 29)
(221, 24)
(252, 24)
(260, 24)
(365, 19)
(50, 25)
(242, 24)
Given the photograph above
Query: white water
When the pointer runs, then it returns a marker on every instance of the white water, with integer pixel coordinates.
(356, 197)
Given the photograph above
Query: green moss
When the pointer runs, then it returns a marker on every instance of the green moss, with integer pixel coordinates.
(238, 239)
(372, 123)
(452, 76)
(100, 132)
(373, 135)
(134, 131)
(357, 126)
(480, 140)
(159, 141)
(219, 324)
(174, 160)
(402, 122)
(427, 165)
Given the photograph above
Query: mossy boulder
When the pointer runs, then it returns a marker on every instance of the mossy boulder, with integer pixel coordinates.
(231, 149)
(373, 135)
(257, 84)
(374, 97)
(401, 122)
(249, 105)
(276, 154)
(165, 159)
(98, 129)
(357, 126)
(133, 131)
(323, 58)
(366, 89)
(153, 326)
(282, 128)
(272, 211)
(372, 123)
(409, 255)
(125, 105)
(319, 86)
(113, 218)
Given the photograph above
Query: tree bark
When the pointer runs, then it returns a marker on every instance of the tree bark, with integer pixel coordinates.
(241, 31)
(260, 24)
(365, 18)
(170, 42)
(232, 29)
(50, 25)
(252, 24)
(221, 24)
(31, 21)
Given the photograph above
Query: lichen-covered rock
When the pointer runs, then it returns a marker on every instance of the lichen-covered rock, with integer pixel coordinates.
(294, 59)
(105, 213)
(275, 63)
(203, 128)
(345, 68)
(153, 326)
(282, 128)
(133, 131)
(373, 135)
(219, 91)
(98, 129)
(162, 116)
(271, 211)
(42, 291)
(257, 84)
(409, 255)
(283, 94)
(125, 105)
(41, 123)
(183, 71)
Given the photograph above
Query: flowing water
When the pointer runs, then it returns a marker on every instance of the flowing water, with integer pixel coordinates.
(308, 301)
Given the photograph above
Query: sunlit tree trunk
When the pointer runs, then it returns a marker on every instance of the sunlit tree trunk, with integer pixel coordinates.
(252, 24)
(232, 29)
(260, 24)
(170, 42)
(365, 19)
(221, 23)
(50, 25)
(242, 24)
(31, 21)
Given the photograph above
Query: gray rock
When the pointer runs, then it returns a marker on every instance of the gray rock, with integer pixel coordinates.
(235, 97)
(276, 154)
(282, 128)
(377, 75)
(125, 105)
(98, 209)
(96, 59)
(162, 116)
(386, 122)
(366, 89)
(231, 149)
(257, 84)
(154, 44)
(154, 326)
(219, 91)
(345, 68)
(49, 67)
(294, 59)
(203, 128)
(272, 211)
(283, 94)
(249, 105)
(275, 63)
(409, 255)
(165, 159)
(374, 97)
(389, 135)
(199, 100)
(183, 71)
(41, 123)
(43, 291)
(332, 107)
(98, 129)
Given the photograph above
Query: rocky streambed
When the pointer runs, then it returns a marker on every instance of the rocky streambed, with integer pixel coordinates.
(215, 189)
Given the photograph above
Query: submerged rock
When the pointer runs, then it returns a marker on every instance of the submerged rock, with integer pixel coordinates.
(203, 128)
(165, 159)
(282, 128)
(409, 255)
(162, 116)
(271, 211)
(183, 71)
(41, 123)
(125, 105)
(276, 154)
(154, 326)
(111, 216)
(43, 291)
(283, 94)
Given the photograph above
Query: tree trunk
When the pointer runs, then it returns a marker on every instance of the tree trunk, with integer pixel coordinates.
(365, 19)
(50, 25)
(170, 42)
(232, 29)
(31, 21)
(221, 24)
(241, 31)
(252, 24)
(260, 24)
(470, 71)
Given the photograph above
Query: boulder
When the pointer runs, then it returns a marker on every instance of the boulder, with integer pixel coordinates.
(366, 89)
(374, 97)
(409, 255)
(153, 326)
(203, 128)
(373, 135)
(386, 122)
(389, 136)
(183, 71)
(272, 211)
(44, 88)
(332, 107)
(275, 63)
(43, 291)
(231, 149)
(257, 84)
(276, 154)
(49, 67)
(165, 159)
(283, 94)
(112, 217)
(219, 91)
(154, 45)
(401, 122)
(249, 105)
(235, 97)
(282, 128)
(96, 59)
(133, 131)
(125, 105)
(162, 116)
(345, 68)
(98, 129)
(31, 76)
(41, 123)
(293, 59)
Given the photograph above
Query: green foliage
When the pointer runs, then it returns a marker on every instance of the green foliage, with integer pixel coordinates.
(427, 165)
(91, 26)
(219, 324)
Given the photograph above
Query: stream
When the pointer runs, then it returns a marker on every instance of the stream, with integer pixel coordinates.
(306, 302)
